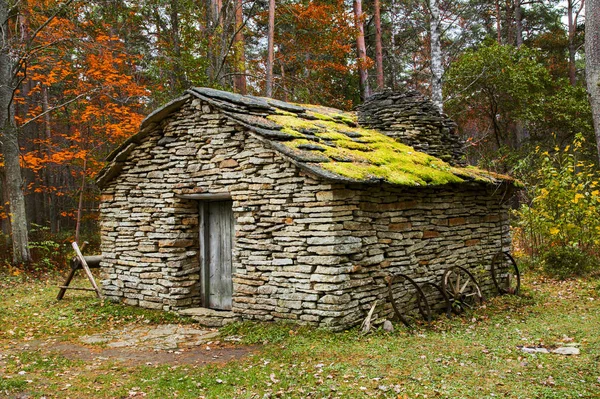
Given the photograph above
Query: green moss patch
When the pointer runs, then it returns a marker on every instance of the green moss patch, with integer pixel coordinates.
(364, 154)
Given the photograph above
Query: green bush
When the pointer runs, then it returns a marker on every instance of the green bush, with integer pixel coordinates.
(564, 211)
(563, 262)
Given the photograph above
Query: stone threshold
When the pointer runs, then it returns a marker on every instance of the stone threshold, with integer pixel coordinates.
(210, 317)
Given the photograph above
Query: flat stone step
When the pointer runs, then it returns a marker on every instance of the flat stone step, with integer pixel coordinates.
(210, 317)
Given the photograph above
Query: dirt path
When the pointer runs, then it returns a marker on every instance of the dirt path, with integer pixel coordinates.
(143, 345)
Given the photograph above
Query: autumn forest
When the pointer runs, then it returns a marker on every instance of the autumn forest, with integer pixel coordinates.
(78, 77)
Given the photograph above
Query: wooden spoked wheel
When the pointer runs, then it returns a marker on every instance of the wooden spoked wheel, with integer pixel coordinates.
(461, 289)
(408, 300)
(505, 274)
(438, 302)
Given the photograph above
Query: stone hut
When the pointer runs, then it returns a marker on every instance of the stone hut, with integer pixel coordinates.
(240, 207)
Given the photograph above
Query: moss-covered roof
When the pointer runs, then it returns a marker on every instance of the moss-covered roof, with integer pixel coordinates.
(325, 141)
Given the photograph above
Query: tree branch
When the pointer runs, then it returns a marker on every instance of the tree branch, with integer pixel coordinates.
(57, 107)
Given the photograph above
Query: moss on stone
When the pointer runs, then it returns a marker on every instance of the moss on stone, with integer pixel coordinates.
(373, 155)
(319, 116)
(282, 112)
(292, 132)
(294, 122)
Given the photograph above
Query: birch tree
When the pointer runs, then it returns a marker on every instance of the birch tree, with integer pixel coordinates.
(437, 69)
(592, 61)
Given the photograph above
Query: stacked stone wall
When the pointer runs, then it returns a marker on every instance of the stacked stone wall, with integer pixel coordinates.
(283, 218)
(414, 120)
(304, 249)
(419, 232)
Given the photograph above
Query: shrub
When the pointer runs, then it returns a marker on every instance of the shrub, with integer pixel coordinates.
(564, 211)
(564, 262)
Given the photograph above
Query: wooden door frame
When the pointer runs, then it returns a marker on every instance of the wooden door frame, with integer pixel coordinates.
(202, 251)
(203, 205)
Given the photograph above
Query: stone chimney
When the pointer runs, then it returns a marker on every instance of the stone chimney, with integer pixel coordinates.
(413, 119)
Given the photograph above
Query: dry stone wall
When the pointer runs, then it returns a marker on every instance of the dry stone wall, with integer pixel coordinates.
(414, 120)
(304, 249)
(422, 232)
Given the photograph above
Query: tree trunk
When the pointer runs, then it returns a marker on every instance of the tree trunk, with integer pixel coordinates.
(519, 23)
(178, 78)
(215, 34)
(49, 196)
(10, 148)
(572, 17)
(80, 203)
(592, 61)
(361, 49)
(284, 87)
(239, 80)
(498, 27)
(437, 69)
(378, 47)
(509, 24)
(270, 50)
(571, 42)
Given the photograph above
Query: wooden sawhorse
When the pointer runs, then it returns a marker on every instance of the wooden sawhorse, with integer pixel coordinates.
(81, 262)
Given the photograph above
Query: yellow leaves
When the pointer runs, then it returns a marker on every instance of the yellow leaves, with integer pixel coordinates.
(596, 193)
(578, 196)
(554, 231)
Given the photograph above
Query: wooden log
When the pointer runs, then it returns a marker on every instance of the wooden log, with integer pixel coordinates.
(76, 288)
(93, 262)
(86, 269)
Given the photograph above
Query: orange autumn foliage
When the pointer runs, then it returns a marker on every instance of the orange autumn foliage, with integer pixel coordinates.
(89, 82)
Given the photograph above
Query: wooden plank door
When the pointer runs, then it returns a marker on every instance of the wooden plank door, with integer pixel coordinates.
(216, 241)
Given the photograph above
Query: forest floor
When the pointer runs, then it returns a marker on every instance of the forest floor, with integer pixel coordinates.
(81, 347)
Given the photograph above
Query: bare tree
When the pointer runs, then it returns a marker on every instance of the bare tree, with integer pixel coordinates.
(270, 50)
(592, 61)
(361, 50)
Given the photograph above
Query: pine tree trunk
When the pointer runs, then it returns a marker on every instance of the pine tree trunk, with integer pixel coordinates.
(361, 50)
(10, 148)
(378, 47)
(519, 23)
(592, 61)
(270, 50)
(437, 69)
(239, 81)
(179, 81)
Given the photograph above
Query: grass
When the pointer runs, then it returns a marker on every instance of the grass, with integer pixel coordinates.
(476, 356)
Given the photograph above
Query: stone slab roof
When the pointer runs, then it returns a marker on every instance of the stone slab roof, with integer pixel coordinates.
(324, 141)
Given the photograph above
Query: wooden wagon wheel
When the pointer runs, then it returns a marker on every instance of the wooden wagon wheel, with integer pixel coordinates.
(505, 273)
(408, 300)
(461, 289)
(436, 298)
